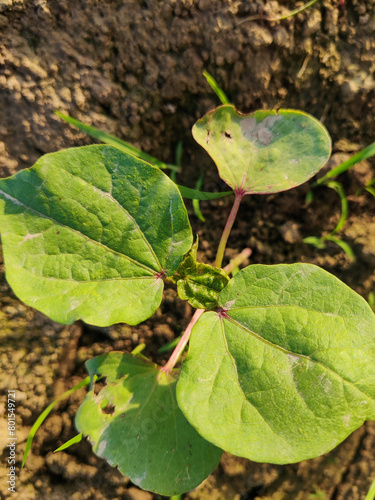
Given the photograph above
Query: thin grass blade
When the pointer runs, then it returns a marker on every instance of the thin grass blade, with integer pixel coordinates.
(45, 414)
(367, 152)
(338, 187)
(116, 142)
(137, 350)
(194, 194)
(196, 207)
(74, 440)
(215, 87)
(343, 245)
(371, 492)
(178, 159)
(171, 345)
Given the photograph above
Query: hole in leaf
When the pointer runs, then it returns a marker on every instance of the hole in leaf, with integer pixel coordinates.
(108, 409)
(99, 385)
(228, 135)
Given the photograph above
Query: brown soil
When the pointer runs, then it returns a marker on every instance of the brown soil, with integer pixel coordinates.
(135, 69)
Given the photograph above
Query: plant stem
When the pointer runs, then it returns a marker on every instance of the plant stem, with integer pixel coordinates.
(238, 259)
(228, 226)
(219, 259)
(182, 343)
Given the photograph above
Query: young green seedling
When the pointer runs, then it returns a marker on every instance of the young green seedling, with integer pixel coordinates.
(328, 181)
(281, 361)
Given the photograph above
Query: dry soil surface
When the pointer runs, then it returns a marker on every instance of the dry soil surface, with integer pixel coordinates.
(134, 68)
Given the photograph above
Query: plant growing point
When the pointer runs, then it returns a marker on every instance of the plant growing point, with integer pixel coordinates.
(281, 361)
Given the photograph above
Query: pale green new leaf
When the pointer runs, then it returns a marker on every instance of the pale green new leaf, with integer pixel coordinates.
(199, 283)
(134, 423)
(265, 151)
(89, 233)
(285, 369)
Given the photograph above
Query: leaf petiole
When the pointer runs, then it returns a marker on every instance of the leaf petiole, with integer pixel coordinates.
(239, 194)
(182, 343)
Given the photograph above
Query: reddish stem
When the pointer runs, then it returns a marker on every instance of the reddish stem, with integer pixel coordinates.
(239, 194)
(182, 343)
(179, 349)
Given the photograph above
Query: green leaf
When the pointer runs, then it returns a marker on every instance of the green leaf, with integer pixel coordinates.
(199, 283)
(134, 423)
(285, 370)
(128, 148)
(195, 203)
(89, 233)
(315, 241)
(265, 151)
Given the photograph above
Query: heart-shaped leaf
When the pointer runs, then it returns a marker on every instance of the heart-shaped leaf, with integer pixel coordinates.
(285, 370)
(89, 233)
(265, 151)
(134, 422)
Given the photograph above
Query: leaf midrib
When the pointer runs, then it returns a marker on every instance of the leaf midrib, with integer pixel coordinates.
(241, 389)
(110, 196)
(84, 282)
(17, 202)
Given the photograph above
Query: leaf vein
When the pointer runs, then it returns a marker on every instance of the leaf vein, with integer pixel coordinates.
(286, 351)
(40, 214)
